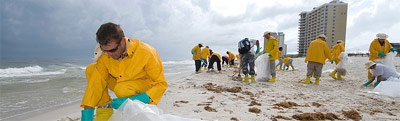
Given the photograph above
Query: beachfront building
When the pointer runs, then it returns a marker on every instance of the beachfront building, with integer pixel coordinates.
(329, 19)
(280, 36)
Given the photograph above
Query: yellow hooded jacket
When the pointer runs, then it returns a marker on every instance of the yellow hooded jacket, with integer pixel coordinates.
(196, 52)
(375, 47)
(318, 51)
(285, 60)
(139, 72)
(205, 53)
(279, 54)
(219, 56)
(231, 56)
(336, 50)
(238, 56)
(271, 47)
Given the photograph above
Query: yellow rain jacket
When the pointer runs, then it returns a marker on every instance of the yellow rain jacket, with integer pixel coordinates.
(279, 54)
(238, 56)
(141, 71)
(216, 54)
(336, 50)
(285, 60)
(196, 52)
(318, 51)
(231, 56)
(375, 47)
(205, 53)
(271, 47)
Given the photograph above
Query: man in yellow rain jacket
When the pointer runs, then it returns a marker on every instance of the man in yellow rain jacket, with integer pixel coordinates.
(317, 53)
(271, 47)
(205, 53)
(129, 67)
(378, 49)
(196, 52)
(288, 61)
(215, 57)
(335, 52)
(231, 58)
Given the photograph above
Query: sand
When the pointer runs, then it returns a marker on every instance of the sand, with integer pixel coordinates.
(214, 96)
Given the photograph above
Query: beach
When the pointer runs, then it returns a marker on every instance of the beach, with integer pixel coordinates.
(214, 96)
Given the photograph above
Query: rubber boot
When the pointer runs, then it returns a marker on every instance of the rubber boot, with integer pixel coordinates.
(219, 71)
(205, 68)
(307, 81)
(103, 114)
(366, 84)
(333, 75)
(377, 83)
(293, 69)
(253, 79)
(246, 78)
(339, 77)
(316, 81)
(272, 79)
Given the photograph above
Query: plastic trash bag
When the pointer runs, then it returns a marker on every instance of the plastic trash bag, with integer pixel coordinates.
(390, 87)
(341, 66)
(388, 60)
(138, 111)
(262, 68)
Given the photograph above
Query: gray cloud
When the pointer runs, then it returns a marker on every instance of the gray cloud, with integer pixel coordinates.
(173, 27)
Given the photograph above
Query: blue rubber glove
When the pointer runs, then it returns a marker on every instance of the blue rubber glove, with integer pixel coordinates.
(381, 54)
(376, 83)
(366, 84)
(258, 49)
(118, 101)
(87, 115)
(331, 61)
(394, 50)
(192, 52)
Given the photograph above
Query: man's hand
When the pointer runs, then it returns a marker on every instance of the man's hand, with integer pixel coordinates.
(381, 54)
(394, 50)
(117, 102)
(87, 114)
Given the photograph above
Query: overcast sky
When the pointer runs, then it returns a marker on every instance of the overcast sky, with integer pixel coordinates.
(174, 27)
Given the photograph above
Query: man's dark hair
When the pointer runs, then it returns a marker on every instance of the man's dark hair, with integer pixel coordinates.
(109, 31)
(280, 48)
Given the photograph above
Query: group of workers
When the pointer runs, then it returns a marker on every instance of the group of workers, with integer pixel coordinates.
(205, 58)
(318, 52)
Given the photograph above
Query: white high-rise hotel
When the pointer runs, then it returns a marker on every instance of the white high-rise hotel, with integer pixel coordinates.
(329, 19)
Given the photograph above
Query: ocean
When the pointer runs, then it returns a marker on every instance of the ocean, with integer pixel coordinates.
(35, 84)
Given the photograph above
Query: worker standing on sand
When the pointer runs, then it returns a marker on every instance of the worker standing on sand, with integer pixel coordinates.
(280, 59)
(130, 68)
(381, 72)
(215, 57)
(335, 52)
(317, 53)
(247, 54)
(271, 47)
(205, 53)
(196, 52)
(378, 49)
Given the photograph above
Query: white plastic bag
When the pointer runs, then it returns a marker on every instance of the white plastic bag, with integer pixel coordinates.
(138, 111)
(390, 87)
(388, 60)
(341, 66)
(262, 68)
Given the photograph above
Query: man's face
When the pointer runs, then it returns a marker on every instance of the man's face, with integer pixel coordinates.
(267, 36)
(113, 49)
